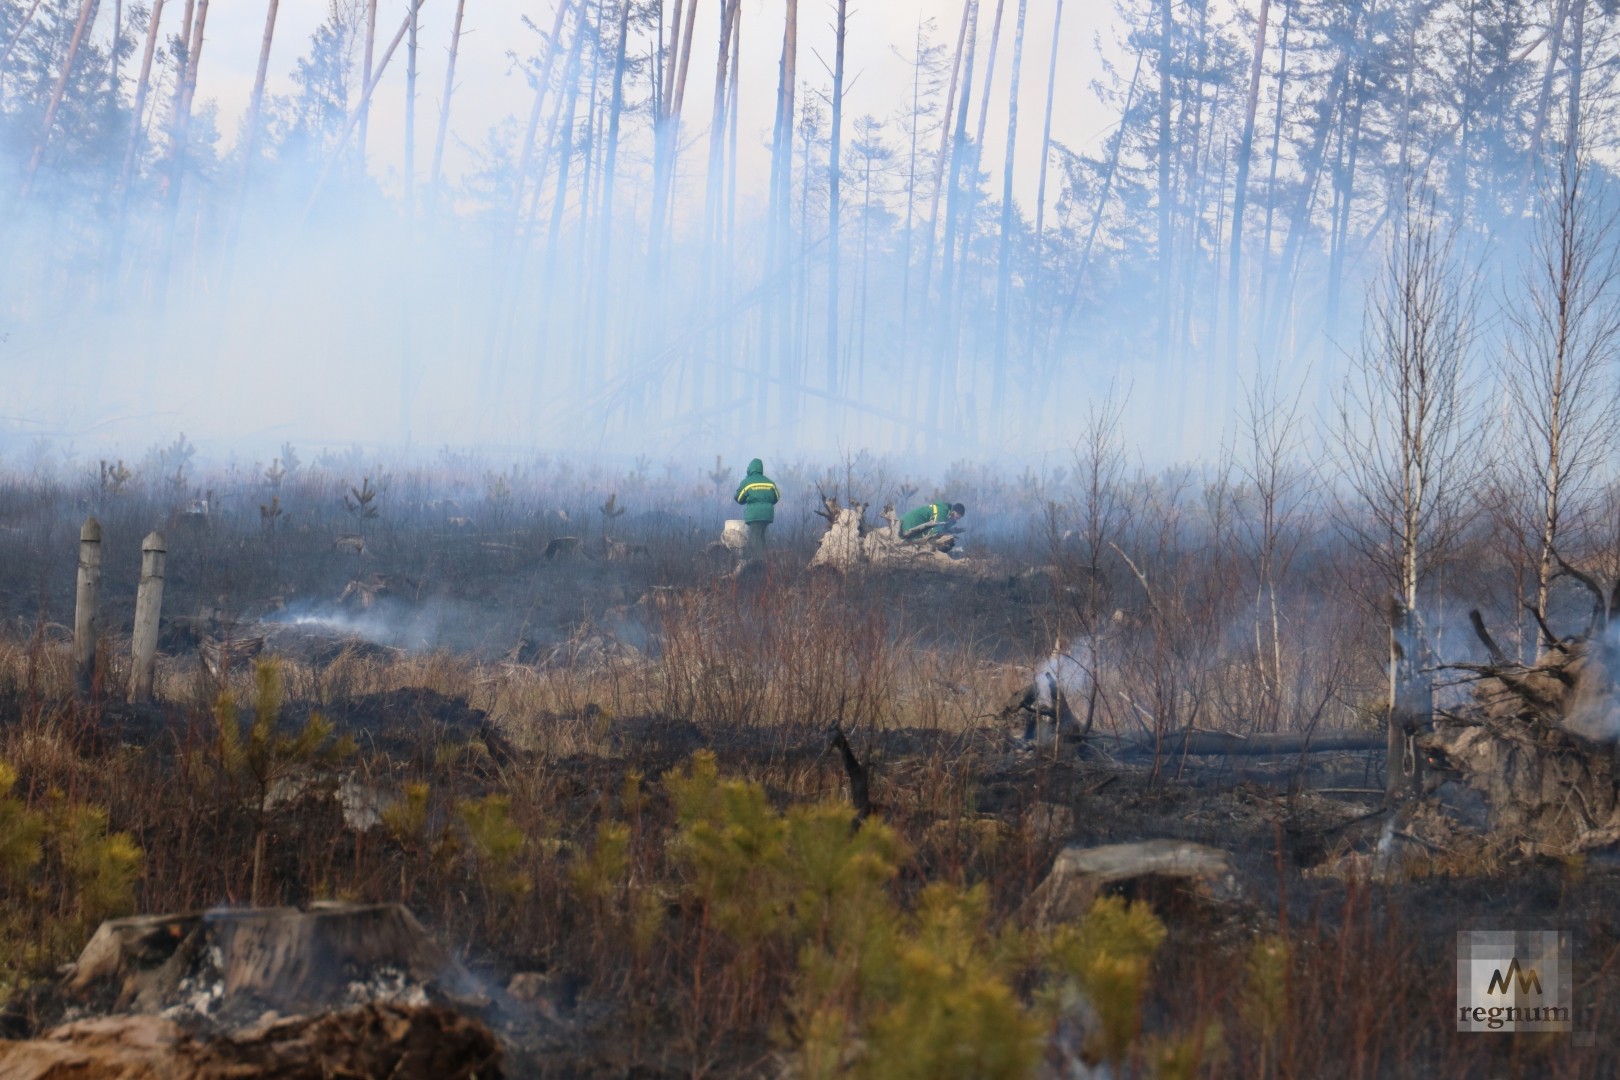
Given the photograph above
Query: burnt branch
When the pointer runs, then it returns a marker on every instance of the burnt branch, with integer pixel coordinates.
(1600, 602)
(1551, 639)
(860, 790)
(1484, 635)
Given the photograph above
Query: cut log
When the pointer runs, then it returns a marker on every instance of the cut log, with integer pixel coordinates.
(1080, 874)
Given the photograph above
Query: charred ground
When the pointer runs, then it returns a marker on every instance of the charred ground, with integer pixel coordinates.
(518, 741)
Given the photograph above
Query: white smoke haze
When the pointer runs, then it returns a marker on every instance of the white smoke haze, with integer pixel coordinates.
(606, 282)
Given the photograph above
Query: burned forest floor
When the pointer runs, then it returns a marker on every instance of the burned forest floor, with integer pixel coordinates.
(670, 813)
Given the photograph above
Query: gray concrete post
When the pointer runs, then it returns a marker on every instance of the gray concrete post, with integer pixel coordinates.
(85, 623)
(148, 607)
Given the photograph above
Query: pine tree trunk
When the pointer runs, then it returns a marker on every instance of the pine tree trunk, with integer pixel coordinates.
(1004, 256)
(610, 166)
(86, 7)
(410, 119)
(354, 116)
(142, 85)
(1240, 194)
(1046, 137)
(444, 106)
(911, 189)
(365, 78)
(970, 9)
(944, 370)
(779, 229)
(1166, 240)
(250, 146)
(833, 178)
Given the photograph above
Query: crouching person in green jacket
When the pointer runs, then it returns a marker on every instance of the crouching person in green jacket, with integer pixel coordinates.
(930, 519)
(758, 497)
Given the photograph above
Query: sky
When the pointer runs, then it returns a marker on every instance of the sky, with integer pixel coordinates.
(489, 87)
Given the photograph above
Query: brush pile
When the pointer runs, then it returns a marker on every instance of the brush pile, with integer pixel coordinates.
(850, 543)
(1538, 743)
(335, 990)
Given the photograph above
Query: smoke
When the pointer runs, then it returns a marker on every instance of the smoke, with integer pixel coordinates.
(393, 623)
(578, 286)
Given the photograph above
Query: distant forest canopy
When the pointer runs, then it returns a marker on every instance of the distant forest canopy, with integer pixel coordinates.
(599, 279)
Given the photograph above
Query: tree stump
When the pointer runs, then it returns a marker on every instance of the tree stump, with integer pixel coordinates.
(281, 958)
(1080, 874)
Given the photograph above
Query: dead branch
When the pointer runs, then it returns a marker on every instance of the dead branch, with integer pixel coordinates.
(1485, 638)
(1547, 635)
(860, 792)
(1600, 603)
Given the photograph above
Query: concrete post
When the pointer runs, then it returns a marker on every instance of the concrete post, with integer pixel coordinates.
(85, 626)
(148, 607)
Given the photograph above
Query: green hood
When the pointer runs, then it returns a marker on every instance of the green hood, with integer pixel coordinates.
(757, 494)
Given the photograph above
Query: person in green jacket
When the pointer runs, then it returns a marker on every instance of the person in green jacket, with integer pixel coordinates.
(758, 497)
(930, 519)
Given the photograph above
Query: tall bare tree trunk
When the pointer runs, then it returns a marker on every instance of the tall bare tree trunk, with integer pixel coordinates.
(354, 117)
(944, 370)
(667, 146)
(1109, 172)
(1577, 65)
(250, 140)
(599, 295)
(1271, 176)
(138, 109)
(1555, 48)
(911, 189)
(1004, 256)
(410, 119)
(86, 7)
(965, 230)
(1240, 194)
(833, 177)
(117, 43)
(1166, 241)
(365, 78)
(970, 10)
(780, 227)
(1046, 135)
(444, 105)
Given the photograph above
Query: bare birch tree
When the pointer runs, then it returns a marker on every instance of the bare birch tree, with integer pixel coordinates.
(1557, 368)
(1408, 449)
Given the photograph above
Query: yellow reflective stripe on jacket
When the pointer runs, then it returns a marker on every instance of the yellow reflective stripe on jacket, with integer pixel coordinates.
(758, 487)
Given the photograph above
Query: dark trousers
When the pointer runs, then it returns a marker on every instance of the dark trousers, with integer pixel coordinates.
(756, 535)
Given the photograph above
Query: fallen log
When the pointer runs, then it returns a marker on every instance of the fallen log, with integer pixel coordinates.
(1226, 744)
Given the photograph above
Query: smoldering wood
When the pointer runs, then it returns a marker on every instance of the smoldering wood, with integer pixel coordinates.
(148, 611)
(86, 625)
